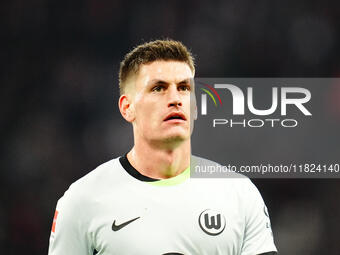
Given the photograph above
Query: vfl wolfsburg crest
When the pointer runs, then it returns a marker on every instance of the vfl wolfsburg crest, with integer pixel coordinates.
(211, 222)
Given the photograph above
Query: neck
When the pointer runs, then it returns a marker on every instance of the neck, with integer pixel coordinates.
(160, 162)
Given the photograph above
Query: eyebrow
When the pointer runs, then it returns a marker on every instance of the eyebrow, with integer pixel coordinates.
(159, 81)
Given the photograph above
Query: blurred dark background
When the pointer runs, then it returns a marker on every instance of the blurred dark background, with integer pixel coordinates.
(59, 92)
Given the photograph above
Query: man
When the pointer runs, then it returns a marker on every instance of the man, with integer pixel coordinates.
(145, 202)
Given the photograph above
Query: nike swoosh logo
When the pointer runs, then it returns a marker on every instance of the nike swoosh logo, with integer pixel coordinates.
(118, 227)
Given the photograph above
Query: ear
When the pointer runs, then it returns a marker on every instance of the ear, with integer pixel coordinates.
(126, 108)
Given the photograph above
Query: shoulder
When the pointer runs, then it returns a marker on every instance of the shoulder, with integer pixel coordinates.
(87, 186)
(202, 168)
(205, 168)
(101, 173)
(213, 175)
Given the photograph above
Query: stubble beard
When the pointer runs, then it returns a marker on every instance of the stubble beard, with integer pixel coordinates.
(171, 142)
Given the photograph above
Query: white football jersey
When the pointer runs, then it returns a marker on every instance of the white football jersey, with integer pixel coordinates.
(111, 211)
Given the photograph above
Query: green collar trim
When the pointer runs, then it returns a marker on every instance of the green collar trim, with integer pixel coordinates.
(178, 179)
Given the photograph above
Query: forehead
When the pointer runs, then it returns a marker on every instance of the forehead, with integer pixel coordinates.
(168, 71)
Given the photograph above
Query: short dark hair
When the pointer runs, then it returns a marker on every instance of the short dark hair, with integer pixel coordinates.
(152, 51)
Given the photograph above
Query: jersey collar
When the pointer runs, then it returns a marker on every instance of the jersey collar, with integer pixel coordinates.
(156, 182)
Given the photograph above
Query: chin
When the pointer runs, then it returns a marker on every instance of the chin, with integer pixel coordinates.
(176, 138)
(170, 141)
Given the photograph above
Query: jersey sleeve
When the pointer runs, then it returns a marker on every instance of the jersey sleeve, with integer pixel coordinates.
(68, 234)
(258, 237)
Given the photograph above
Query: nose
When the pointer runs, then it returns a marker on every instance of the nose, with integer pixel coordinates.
(174, 98)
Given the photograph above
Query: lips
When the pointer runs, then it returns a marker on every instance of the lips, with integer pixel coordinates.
(175, 116)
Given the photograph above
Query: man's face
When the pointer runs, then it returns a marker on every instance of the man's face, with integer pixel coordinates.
(162, 99)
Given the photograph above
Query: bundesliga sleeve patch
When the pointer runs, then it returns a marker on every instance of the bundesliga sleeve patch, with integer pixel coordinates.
(54, 221)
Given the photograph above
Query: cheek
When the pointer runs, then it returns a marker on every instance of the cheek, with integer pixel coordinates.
(193, 109)
(146, 113)
(190, 103)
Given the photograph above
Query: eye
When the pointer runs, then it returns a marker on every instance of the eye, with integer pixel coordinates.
(158, 88)
(185, 87)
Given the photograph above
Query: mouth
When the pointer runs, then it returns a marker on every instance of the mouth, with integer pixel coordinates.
(175, 116)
